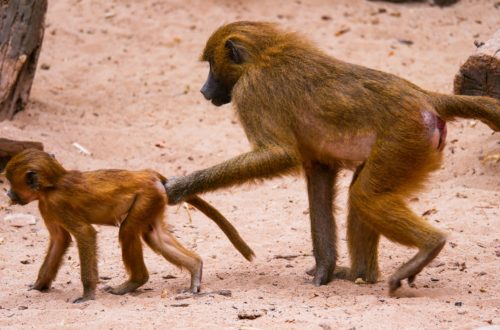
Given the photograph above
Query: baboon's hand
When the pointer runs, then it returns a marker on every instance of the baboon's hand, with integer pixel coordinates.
(86, 297)
(39, 287)
(175, 188)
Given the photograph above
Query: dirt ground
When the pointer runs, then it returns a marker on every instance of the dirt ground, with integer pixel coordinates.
(122, 79)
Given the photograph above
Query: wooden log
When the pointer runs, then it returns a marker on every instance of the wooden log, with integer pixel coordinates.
(21, 36)
(480, 74)
(8, 148)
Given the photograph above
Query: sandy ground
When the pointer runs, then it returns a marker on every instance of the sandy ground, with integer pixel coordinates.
(121, 78)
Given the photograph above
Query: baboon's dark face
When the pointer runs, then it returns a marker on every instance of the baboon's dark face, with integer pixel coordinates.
(215, 91)
(22, 188)
(27, 173)
(227, 60)
(14, 198)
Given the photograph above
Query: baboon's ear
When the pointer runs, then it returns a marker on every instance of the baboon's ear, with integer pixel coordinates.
(32, 179)
(237, 53)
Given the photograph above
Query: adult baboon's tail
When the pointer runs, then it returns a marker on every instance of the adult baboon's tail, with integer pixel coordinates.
(485, 109)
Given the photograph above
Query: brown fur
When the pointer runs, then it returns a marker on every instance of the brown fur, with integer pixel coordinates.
(71, 201)
(301, 108)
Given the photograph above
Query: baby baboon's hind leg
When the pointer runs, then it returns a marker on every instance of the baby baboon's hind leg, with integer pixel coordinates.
(133, 260)
(160, 240)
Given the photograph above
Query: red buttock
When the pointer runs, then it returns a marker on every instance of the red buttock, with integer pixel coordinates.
(441, 126)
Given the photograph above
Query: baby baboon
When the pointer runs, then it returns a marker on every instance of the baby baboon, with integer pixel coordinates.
(71, 201)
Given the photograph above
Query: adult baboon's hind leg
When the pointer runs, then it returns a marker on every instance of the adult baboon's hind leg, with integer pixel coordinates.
(363, 242)
(378, 196)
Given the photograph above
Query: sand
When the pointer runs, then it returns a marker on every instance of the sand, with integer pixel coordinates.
(122, 79)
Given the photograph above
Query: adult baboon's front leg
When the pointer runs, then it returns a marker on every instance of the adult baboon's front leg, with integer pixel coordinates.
(258, 164)
(321, 191)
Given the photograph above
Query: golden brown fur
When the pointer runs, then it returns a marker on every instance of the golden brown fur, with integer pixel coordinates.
(301, 108)
(71, 201)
